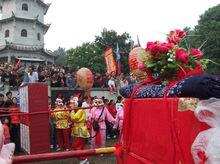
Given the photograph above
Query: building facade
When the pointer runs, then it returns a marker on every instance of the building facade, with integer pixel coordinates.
(22, 31)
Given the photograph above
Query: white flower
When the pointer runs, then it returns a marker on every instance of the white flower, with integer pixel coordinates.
(170, 60)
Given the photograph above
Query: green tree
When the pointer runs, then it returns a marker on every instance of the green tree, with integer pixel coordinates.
(110, 38)
(90, 55)
(207, 36)
(60, 56)
(87, 55)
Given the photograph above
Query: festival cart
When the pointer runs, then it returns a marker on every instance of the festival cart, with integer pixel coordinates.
(161, 130)
(158, 130)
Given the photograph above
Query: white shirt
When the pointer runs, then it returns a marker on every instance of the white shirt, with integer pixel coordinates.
(84, 105)
(111, 83)
(33, 78)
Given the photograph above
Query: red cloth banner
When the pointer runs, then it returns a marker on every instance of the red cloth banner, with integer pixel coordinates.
(110, 61)
(154, 131)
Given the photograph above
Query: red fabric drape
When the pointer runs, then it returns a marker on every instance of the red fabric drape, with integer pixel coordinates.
(154, 131)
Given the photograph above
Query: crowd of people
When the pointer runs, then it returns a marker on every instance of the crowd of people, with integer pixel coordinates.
(13, 75)
(100, 120)
(73, 128)
(68, 128)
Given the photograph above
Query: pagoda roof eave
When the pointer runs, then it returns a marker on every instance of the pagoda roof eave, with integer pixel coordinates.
(12, 18)
(20, 47)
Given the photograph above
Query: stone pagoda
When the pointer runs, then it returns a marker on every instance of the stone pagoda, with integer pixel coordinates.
(22, 31)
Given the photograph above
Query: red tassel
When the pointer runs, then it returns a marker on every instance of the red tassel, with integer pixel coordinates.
(119, 153)
(98, 139)
(202, 157)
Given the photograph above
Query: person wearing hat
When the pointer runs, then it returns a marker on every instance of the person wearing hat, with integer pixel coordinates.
(62, 125)
(99, 113)
(79, 130)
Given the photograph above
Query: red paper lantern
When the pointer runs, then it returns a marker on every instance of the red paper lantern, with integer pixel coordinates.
(85, 78)
(136, 57)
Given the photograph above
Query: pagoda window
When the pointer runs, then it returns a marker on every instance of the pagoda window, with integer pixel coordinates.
(38, 36)
(24, 33)
(7, 33)
(25, 7)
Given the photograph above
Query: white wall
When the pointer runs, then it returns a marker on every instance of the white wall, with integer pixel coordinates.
(32, 31)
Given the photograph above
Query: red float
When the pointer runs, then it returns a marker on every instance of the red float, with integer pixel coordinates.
(154, 131)
(34, 128)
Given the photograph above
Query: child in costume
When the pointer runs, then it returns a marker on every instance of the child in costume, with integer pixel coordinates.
(79, 130)
(6, 130)
(62, 125)
(119, 117)
(6, 151)
(100, 113)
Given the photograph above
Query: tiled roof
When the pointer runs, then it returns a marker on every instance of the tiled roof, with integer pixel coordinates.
(20, 47)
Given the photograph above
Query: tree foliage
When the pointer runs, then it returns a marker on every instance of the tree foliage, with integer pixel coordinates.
(90, 55)
(87, 55)
(206, 36)
(110, 38)
(60, 56)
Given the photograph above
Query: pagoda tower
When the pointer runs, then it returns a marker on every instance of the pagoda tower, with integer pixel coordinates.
(22, 31)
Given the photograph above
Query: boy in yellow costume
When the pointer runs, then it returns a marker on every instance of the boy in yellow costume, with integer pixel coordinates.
(79, 130)
(62, 125)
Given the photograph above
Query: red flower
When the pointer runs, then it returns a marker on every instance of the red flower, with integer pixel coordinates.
(153, 47)
(174, 40)
(141, 65)
(182, 56)
(165, 47)
(172, 33)
(180, 33)
(197, 54)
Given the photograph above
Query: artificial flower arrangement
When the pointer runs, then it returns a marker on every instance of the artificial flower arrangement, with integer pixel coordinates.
(169, 60)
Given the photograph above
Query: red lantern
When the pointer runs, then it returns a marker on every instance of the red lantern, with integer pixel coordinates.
(85, 78)
(136, 57)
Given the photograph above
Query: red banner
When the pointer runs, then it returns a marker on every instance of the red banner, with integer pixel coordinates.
(110, 61)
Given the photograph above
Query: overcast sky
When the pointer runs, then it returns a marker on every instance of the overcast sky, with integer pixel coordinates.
(78, 21)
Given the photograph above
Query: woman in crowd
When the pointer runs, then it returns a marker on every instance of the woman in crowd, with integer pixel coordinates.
(111, 108)
(15, 125)
(99, 113)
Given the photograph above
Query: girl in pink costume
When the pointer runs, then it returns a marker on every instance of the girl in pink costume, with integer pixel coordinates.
(6, 151)
(119, 117)
(100, 137)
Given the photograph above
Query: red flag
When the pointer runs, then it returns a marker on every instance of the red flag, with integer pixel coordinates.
(110, 61)
(17, 65)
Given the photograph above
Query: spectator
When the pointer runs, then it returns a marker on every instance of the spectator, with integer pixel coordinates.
(132, 78)
(61, 80)
(1, 78)
(54, 80)
(70, 80)
(123, 82)
(33, 76)
(42, 77)
(111, 85)
(118, 103)
(14, 102)
(8, 101)
(109, 126)
(2, 102)
(111, 108)
(15, 125)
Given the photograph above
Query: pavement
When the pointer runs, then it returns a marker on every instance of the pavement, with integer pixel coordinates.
(105, 159)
